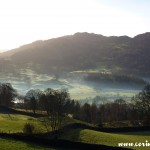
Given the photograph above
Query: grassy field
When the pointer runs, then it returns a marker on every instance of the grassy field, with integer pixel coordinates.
(9, 144)
(14, 123)
(111, 139)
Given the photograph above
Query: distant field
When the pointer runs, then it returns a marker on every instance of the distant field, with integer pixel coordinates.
(111, 139)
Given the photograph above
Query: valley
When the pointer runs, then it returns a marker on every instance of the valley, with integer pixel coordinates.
(92, 90)
(78, 87)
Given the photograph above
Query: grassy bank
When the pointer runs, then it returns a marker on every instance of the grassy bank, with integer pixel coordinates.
(111, 139)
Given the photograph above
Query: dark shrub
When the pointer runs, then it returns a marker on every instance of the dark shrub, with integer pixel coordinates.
(28, 128)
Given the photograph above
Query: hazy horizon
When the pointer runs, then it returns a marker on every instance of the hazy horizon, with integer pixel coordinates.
(25, 21)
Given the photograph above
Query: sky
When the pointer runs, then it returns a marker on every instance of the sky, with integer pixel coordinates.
(25, 21)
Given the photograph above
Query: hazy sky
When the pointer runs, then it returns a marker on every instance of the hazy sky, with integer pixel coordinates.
(24, 21)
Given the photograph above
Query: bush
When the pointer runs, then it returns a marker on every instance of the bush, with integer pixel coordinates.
(28, 128)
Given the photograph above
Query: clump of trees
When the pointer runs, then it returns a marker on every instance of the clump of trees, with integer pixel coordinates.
(56, 103)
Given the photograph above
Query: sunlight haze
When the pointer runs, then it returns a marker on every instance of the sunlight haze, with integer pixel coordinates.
(25, 21)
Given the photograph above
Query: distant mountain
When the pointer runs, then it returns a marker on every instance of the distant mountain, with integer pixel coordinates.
(83, 51)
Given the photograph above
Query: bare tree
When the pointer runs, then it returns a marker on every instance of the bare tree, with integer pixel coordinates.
(32, 99)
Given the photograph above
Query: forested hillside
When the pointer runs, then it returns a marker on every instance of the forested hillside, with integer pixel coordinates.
(83, 51)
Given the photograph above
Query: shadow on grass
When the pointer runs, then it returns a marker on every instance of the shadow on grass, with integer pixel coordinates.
(36, 146)
(71, 135)
(58, 143)
(139, 133)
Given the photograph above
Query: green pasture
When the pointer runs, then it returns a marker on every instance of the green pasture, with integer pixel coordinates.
(110, 139)
(15, 122)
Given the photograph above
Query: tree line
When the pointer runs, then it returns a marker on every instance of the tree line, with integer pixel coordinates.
(57, 104)
(136, 111)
